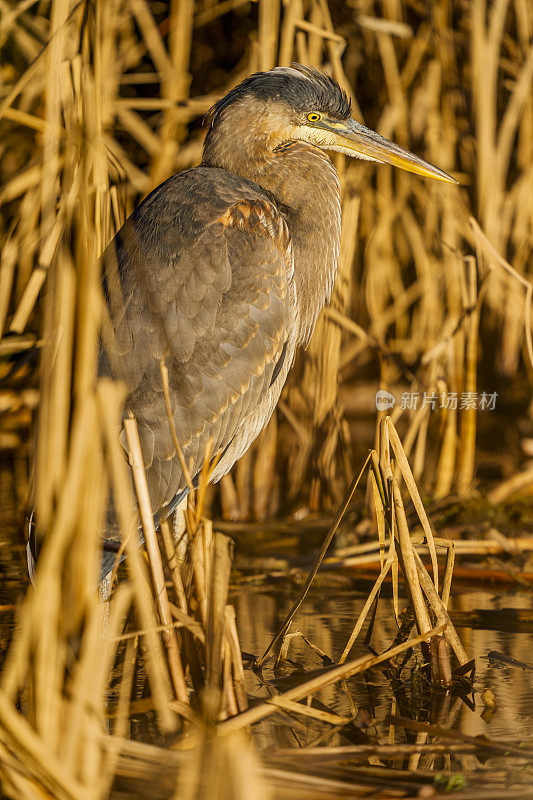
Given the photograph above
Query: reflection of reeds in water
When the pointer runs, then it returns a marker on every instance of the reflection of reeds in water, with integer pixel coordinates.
(427, 605)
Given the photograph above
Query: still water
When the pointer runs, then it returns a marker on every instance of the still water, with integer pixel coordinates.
(326, 620)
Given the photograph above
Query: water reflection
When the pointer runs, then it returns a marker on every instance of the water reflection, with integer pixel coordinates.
(327, 619)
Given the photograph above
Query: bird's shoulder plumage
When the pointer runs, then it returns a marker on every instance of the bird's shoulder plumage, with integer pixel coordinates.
(200, 275)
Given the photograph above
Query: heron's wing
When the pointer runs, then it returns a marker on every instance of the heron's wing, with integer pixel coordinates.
(204, 281)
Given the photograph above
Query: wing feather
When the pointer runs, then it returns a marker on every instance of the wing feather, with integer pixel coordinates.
(202, 277)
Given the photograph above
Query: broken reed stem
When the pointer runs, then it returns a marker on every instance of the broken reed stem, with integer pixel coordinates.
(439, 609)
(154, 557)
(407, 562)
(448, 572)
(327, 678)
(218, 593)
(415, 495)
(370, 550)
(239, 680)
(173, 565)
(380, 501)
(229, 701)
(201, 563)
(385, 469)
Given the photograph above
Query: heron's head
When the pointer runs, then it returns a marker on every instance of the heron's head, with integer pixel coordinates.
(300, 103)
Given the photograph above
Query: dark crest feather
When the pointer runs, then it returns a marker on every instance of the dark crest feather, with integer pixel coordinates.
(301, 87)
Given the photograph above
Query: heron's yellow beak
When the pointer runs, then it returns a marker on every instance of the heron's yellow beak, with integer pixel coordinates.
(355, 140)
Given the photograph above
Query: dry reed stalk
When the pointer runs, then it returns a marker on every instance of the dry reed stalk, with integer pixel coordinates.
(174, 566)
(156, 665)
(490, 251)
(154, 556)
(39, 761)
(389, 513)
(229, 499)
(467, 438)
(448, 448)
(324, 350)
(440, 610)
(308, 711)
(321, 371)
(232, 637)
(448, 573)
(384, 469)
(201, 566)
(517, 483)
(264, 469)
(293, 12)
(383, 751)
(370, 553)
(243, 484)
(121, 716)
(221, 767)
(229, 701)
(407, 561)
(269, 15)
(218, 592)
(179, 451)
(412, 488)
(174, 86)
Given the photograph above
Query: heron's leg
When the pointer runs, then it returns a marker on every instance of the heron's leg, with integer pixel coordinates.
(179, 531)
(104, 597)
(104, 588)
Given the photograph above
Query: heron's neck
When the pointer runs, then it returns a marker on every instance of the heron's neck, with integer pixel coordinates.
(304, 184)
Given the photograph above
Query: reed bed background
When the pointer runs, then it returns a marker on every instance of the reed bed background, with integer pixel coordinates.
(423, 267)
(100, 101)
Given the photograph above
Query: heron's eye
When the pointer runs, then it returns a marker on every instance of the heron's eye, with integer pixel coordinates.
(314, 116)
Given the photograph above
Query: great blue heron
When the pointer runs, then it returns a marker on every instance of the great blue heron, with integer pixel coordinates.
(223, 269)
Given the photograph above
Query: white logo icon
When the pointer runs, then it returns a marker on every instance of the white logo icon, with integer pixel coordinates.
(384, 400)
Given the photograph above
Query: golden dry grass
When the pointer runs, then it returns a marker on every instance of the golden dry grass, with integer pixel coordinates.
(453, 84)
(96, 108)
